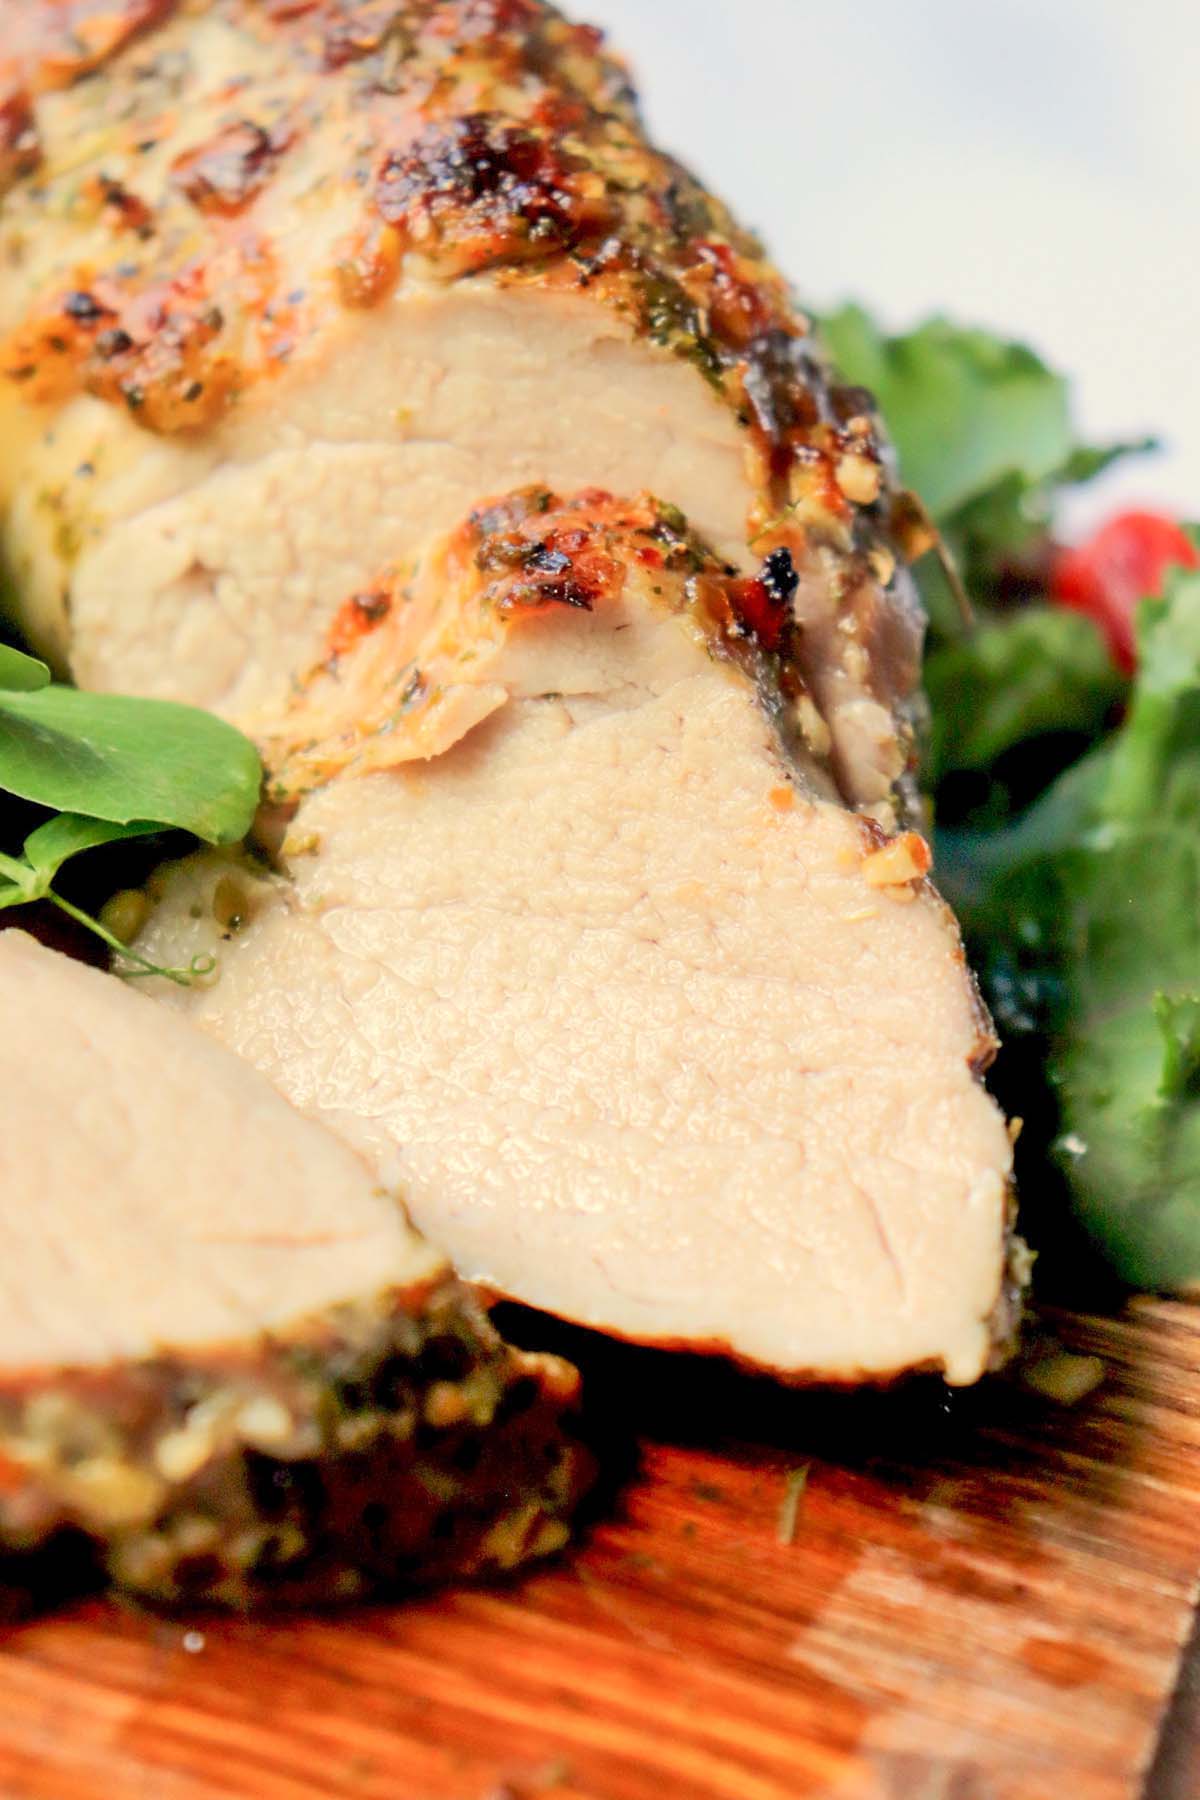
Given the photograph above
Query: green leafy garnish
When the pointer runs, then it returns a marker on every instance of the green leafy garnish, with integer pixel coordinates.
(113, 768)
(1036, 671)
(1067, 798)
(120, 759)
(20, 672)
(1089, 907)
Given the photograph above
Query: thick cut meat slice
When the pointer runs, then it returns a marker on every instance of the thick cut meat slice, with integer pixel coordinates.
(227, 1362)
(571, 942)
(284, 287)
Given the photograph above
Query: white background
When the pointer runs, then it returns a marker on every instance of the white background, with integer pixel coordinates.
(1033, 165)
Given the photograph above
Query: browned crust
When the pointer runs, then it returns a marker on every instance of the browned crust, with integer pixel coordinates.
(479, 136)
(391, 1442)
(487, 134)
(521, 556)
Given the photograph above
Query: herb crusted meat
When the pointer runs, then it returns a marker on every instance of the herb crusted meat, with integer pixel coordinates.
(287, 284)
(230, 1370)
(574, 940)
(598, 918)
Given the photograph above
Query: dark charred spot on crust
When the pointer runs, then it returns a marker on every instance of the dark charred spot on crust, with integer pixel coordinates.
(20, 148)
(564, 569)
(113, 343)
(371, 608)
(779, 576)
(565, 565)
(539, 550)
(154, 348)
(848, 403)
(84, 307)
(446, 1356)
(478, 190)
(753, 622)
(224, 174)
(126, 210)
(357, 618)
(519, 1397)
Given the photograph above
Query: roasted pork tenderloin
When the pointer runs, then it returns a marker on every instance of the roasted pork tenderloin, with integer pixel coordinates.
(571, 936)
(230, 1371)
(600, 917)
(286, 285)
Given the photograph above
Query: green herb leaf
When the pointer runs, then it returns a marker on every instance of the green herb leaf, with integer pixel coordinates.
(20, 672)
(68, 834)
(1094, 897)
(127, 760)
(45, 851)
(1029, 672)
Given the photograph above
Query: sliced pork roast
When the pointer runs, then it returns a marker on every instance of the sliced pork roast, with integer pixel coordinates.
(226, 1360)
(287, 284)
(572, 937)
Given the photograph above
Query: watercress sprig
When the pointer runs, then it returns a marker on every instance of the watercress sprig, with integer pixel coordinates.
(113, 768)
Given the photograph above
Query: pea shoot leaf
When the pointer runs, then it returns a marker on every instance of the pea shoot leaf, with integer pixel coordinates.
(66, 835)
(123, 760)
(20, 672)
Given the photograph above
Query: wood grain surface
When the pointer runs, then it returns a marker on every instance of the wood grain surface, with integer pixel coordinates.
(986, 1598)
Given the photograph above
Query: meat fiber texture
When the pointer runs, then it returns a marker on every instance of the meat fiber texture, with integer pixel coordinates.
(286, 287)
(230, 1370)
(567, 938)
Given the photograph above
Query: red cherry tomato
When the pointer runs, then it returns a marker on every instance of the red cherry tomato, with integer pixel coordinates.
(1124, 562)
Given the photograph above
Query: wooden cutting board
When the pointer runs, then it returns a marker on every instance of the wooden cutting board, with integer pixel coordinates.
(985, 1599)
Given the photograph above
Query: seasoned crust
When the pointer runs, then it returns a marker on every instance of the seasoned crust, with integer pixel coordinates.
(233, 225)
(384, 1443)
(376, 696)
(483, 135)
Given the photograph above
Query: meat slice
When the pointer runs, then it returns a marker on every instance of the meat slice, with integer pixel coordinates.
(286, 286)
(227, 1361)
(570, 937)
